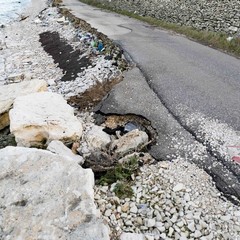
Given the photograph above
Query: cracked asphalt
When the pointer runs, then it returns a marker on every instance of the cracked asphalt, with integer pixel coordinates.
(189, 92)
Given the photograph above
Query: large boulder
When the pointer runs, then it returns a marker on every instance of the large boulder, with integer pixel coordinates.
(8, 93)
(39, 118)
(46, 196)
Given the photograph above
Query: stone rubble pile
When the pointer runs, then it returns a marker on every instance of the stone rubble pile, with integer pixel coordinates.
(172, 200)
(217, 16)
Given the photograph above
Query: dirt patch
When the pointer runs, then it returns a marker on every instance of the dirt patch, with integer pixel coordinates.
(68, 59)
(91, 97)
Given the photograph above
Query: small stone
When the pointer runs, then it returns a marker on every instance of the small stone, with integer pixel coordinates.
(170, 232)
(225, 218)
(237, 213)
(139, 221)
(113, 218)
(119, 209)
(125, 207)
(150, 223)
(124, 215)
(191, 226)
(187, 197)
(108, 213)
(163, 235)
(128, 223)
(183, 238)
(180, 224)
(133, 209)
(178, 187)
(197, 234)
(174, 218)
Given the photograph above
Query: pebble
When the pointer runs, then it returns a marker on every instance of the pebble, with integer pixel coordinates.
(191, 226)
(150, 223)
(225, 218)
(133, 209)
(178, 187)
(108, 212)
(125, 207)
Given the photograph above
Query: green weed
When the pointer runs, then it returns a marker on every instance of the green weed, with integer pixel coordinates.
(123, 190)
(121, 172)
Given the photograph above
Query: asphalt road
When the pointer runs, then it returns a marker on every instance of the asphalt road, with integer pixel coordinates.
(189, 92)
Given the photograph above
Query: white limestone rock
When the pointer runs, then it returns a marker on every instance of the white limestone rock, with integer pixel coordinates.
(46, 196)
(97, 138)
(39, 118)
(9, 92)
(59, 148)
(130, 141)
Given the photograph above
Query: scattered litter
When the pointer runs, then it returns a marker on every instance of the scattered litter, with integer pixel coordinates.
(100, 47)
(130, 126)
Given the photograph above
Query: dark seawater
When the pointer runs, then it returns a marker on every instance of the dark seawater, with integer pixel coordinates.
(11, 9)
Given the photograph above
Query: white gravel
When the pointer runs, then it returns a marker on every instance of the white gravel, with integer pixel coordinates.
(174, 200)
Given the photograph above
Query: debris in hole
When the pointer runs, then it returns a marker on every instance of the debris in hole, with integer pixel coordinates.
(130, 126)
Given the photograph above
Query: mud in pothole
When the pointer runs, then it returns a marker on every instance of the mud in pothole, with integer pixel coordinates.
(6, 138)
(68, 59)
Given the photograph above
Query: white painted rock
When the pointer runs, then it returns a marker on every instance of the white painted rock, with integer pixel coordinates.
(97, 138)
(46, 196)
(130, 141)
(39, 118)
(59, 148)
(8, 93)
(131, 236)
